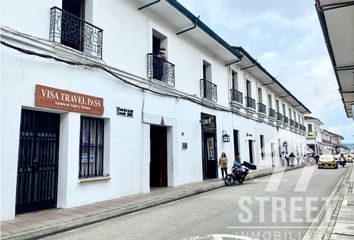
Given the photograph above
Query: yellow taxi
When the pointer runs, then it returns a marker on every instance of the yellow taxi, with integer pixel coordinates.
(327, 161)
(349, 159)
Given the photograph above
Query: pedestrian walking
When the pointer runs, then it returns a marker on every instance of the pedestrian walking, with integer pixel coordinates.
(223, 164)
(292, 159)
(287, 158)
(282, 158)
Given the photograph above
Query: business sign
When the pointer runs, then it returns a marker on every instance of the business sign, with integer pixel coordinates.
(65, 100)
(125, 112)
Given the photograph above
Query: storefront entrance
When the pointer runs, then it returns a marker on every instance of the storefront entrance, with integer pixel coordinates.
(158, 156)
(209, 154)
(37, 177)
(250, 150)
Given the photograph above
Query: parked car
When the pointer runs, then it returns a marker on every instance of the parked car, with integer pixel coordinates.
(349, 158)
(327, 161)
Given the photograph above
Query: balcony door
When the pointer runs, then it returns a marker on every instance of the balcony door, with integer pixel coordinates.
(72, 26)
(248, 88)
(234, 79)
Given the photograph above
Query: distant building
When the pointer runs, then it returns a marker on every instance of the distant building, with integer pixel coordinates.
(313, 135)
(325, 145)
(336, 142)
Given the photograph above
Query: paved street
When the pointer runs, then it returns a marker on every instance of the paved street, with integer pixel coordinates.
(281, 206)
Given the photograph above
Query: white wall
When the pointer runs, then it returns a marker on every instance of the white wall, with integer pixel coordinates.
(127, 144)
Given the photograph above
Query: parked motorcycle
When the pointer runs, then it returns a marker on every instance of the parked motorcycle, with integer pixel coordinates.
(239, 173)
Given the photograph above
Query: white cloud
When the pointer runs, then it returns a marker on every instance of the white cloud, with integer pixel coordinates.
(347, 131)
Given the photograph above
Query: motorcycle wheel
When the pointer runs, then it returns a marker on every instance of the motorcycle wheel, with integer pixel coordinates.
(229, 180)
(240, 181)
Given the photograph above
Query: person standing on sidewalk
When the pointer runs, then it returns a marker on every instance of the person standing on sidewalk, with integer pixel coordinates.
(223, 164)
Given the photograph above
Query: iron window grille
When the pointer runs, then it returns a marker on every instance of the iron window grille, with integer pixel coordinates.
(208, 90)
(160, 69)
(71, 31)
(296, 125)
(271, 113)
(91, 147)
(251, 103)
(285, 119)
(236, 96)
(279, 116)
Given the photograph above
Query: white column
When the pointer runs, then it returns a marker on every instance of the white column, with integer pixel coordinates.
(10, 132)
(69, 144)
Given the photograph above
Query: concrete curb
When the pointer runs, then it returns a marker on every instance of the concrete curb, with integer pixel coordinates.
(51, 230)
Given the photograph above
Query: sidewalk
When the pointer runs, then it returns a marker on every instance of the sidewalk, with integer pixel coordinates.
(343, 225)
(48, 222)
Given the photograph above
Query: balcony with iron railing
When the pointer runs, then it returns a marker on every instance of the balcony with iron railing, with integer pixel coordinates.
(279, 117)
(292, 122)
(296, 125)
(208, 90)
(271, 113)
(160, 69)
(251, 103)
(262, 109)
(285, 119)
(236, 96)
(236, 99)
(74, 32)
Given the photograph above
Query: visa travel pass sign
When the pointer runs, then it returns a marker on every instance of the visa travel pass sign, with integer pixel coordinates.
(65, 100)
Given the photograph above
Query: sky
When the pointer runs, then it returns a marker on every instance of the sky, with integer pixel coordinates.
(285, 36)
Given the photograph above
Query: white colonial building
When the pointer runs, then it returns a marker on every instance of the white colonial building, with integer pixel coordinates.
(90, 112)
(313, 134)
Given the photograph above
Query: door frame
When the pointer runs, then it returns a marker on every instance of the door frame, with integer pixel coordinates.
(208, 130)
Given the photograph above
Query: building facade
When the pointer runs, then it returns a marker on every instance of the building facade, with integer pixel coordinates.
(325, 146)
(313, 134)
(91, 112)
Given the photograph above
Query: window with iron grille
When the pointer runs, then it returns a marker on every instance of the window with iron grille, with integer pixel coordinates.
(91, 147)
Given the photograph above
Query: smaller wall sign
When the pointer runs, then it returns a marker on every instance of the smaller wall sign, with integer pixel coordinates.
(65, 100)
(125, 112)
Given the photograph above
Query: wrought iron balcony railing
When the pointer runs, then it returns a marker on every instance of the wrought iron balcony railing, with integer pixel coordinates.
(208, 90)
(236, 96)
(271, 113)
(160, 69)
(251, 103)
(279, 116)
(296, 125)
(262, 108)
(285, 119)
(71, 31)
(292, 122)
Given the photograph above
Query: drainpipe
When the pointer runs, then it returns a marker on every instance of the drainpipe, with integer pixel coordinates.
(148, 5)
(191, 28)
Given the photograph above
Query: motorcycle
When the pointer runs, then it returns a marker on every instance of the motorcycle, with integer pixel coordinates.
(342, 162)
(239, 173)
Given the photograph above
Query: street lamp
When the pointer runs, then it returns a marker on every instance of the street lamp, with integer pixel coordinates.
(225, 136)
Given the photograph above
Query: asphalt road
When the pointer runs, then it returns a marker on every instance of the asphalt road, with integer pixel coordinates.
(281, 206)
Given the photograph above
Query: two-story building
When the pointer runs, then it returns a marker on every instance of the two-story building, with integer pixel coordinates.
(313, 134)
(336, 142)
(325, 146)
(90, 111)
